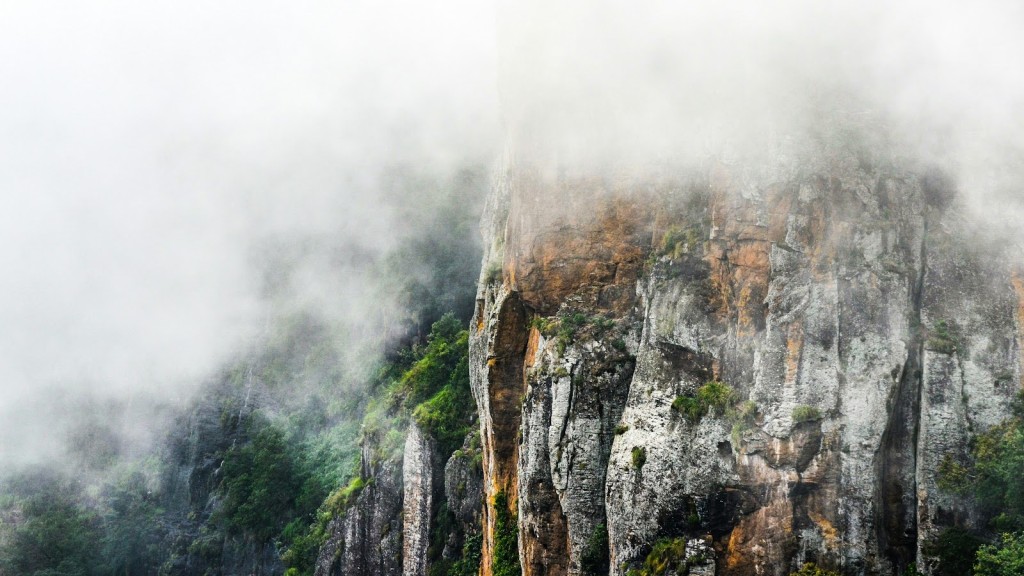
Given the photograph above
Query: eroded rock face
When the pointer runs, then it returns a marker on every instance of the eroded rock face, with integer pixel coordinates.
(367, 539)
(418, 483)
(464, 496)
(863, 328)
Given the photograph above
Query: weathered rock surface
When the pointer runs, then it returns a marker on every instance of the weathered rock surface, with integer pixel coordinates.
(864, 328)
(418, 483)
(367, 539)
(464, 496)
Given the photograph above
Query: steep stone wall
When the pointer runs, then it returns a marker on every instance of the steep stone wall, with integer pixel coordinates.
(863, 327)
(367, 539)
(419, 486)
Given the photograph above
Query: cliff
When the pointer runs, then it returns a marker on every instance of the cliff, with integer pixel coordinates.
(768, 364)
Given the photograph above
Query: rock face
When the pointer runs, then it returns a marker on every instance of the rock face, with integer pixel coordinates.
(856, 325)
(409, 502)
(418, 500)
(367, 539)
(464, 497)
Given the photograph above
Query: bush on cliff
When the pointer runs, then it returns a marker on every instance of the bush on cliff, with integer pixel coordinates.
(714, 396)
(505, 561)
(812, 569)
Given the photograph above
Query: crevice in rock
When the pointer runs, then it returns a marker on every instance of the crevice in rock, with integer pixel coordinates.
(501, 409)
(896, 506)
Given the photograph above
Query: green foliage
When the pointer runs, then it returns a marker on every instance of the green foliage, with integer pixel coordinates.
(472, 553)
(569, 325)
(999, 474)
(436, 387)
(57, 537)
(567, 328)
(812, 569)
(677, 241)
(493, 273)
(261, 483)
(446, 415)
(1005, 558)
(804, 413)
(428, 383)
(505, 561)
(689, 407)
(447, 346)
(305, 539)
(955, 549)
(942, 338)
(595, 558)
(340, 499)
(639, 457)
(995, 477)
(667, 556)
(545, 326)
(716, 397)
(743, 418)
(953, 476)
(132, 541)
(621, 429)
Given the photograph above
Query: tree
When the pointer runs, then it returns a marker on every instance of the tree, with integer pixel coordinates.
(261, 482)
(1005, 558)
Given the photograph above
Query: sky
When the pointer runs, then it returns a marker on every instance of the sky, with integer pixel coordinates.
(149, 148)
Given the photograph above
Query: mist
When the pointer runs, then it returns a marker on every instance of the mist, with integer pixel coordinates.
(598, 86)
(162, 163)
(158, 159)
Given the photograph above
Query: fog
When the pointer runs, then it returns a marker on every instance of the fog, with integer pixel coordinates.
(151, 151)
(598, 84)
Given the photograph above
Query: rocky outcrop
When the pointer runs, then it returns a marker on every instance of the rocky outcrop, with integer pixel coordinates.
(367, 538)
(418, 500)
(855, 326)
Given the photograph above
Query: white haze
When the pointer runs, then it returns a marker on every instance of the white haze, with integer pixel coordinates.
(150, 150)
(147, 147)
(602, 83)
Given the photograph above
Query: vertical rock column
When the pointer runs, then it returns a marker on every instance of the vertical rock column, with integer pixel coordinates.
(418, 501)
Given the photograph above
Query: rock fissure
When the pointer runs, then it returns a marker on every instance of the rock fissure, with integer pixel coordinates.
(897, 511)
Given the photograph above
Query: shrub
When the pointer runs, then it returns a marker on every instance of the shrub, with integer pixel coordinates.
(1005, 558)
(743, 418)
(472, 552)
(677, 241)
(543, 325)
(505, 560)
(812, 569)
(437, 363)
(953, 477)
(804, 413)
(942, 339)
(594, 561)
(621, 429)
(998, 474)
(667, 556)
(446, 416)
(714, 396)
(493, 273)
(688, 407)
(955, 549)
(261, 482)
(639, 455)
